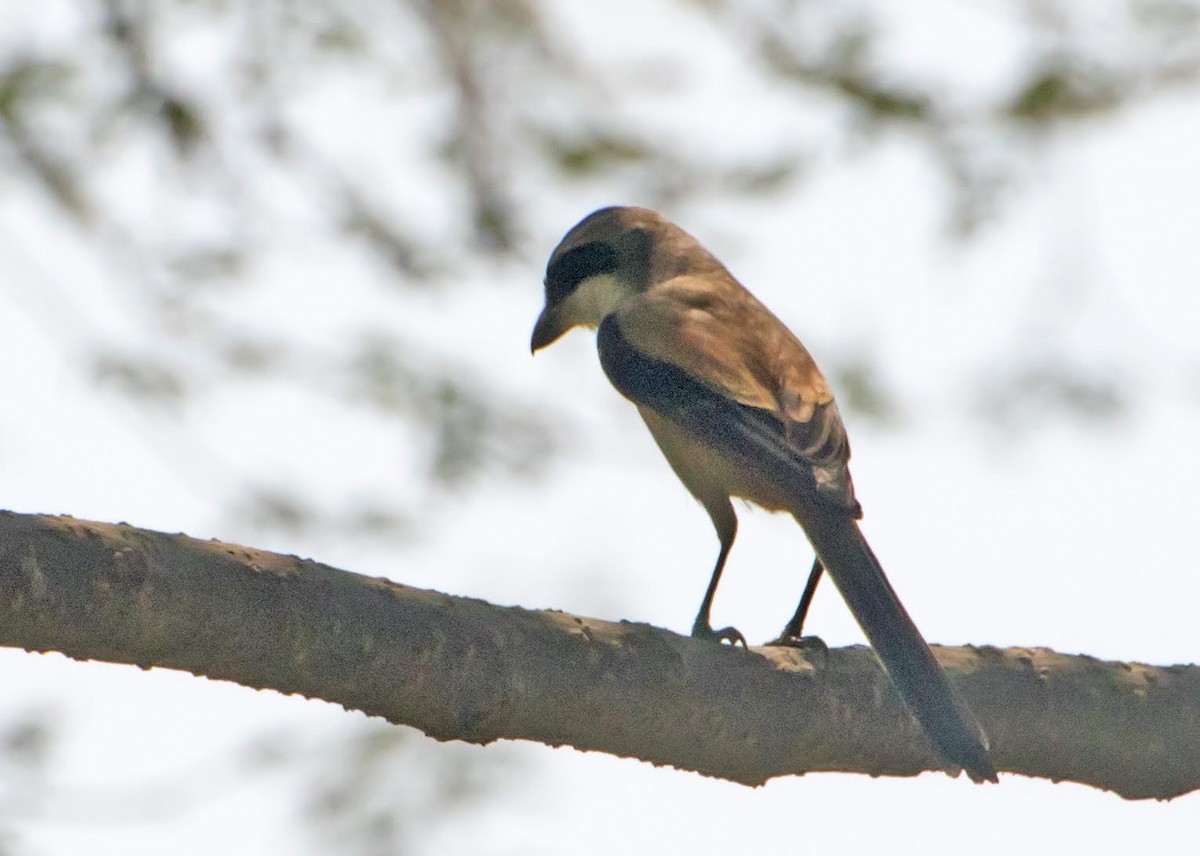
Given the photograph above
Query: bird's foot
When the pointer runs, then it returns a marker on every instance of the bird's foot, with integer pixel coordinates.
(703, 630)
(810, 645)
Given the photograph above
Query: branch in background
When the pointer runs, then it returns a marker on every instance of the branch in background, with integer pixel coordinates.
(459, 668)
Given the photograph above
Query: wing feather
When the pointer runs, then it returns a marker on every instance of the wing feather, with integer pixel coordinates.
(711, 358)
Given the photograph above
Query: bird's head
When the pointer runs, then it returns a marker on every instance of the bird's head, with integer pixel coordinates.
(608, 256)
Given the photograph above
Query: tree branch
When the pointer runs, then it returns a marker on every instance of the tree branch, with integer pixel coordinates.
(459, 668)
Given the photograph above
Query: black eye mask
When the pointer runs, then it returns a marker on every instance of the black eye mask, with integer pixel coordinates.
(566, 272)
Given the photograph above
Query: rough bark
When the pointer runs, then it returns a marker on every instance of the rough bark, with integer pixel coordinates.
(459, 668)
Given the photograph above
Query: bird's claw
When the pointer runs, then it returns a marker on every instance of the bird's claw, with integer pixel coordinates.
(808, 644)
(726, 634)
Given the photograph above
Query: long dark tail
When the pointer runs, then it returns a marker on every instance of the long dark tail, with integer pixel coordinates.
(948, 722)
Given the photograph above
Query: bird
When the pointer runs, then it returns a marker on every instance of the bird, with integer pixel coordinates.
(739, 409)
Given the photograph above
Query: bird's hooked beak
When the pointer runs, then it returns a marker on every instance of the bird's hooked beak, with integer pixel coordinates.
(547, 330)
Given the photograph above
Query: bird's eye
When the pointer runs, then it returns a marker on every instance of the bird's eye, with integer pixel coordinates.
(577, 264)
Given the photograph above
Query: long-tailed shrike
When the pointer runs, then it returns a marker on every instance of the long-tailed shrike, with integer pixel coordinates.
(739, 408)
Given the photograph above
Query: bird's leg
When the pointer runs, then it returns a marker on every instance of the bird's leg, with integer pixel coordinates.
(792, 633)
(702, 628)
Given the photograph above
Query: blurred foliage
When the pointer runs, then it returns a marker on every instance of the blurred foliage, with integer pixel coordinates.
(366, 789)
(26, 742)
(1047, 387)
(859, 388)
(390, 790)
(203, 109)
